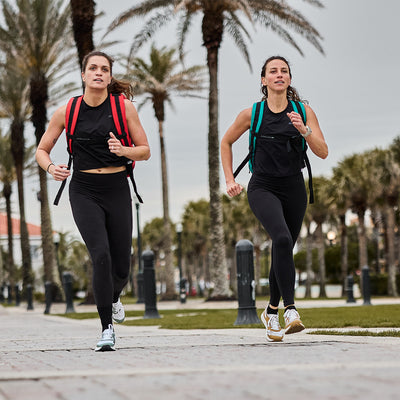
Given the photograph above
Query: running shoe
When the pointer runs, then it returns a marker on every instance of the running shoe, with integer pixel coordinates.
(107, 341)
(271, 322)
(293, 322)
(118, 312)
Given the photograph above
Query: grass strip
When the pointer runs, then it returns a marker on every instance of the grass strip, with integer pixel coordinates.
(384, 316)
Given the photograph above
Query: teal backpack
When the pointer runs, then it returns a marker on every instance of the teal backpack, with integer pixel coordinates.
(298, 143)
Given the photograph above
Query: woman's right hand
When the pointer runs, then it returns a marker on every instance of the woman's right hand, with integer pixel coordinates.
(59, 172)
(233, 189)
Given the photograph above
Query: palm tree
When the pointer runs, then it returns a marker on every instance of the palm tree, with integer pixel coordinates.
(38, 34)
(158, 81)
(14, 105)
(83, 17)
(7, 177)
(219, 17)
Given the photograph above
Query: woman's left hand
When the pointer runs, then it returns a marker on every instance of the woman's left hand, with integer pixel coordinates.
(115, 145)
(297, 122)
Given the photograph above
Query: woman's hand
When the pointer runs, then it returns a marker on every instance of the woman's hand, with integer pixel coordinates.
(115, 146)
(233, 189)
(297, 122)
(59, 172)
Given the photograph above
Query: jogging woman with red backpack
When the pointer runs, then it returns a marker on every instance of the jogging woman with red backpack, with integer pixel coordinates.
(276, 190)
(99, 190)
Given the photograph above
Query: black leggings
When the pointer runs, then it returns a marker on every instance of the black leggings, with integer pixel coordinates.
(102, 210)
(280, 204)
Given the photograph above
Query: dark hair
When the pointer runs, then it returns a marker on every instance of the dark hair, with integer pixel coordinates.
(116, 86)
(291, 91)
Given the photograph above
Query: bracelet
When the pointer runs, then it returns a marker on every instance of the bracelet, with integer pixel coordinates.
(47, 169)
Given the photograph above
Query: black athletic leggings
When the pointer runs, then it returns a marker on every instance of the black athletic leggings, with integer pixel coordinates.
(102, 210)
(280, 204)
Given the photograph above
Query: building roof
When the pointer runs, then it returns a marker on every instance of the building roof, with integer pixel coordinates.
(33, 230)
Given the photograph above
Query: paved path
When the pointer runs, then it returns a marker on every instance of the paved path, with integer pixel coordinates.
(49, 357)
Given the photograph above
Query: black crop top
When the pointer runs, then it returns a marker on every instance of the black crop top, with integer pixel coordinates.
(276, 154)
(89, 145)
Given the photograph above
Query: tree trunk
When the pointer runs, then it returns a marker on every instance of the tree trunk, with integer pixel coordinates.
(18, 150)
(7, 190)
(83, 17)
(38, 99)
(309, 242)
(362, 240)
(170, 292)
(321, 261)
(212, 28)
(344, 252)
(390, 220)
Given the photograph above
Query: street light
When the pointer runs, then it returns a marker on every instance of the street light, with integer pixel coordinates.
(331, 235)
(182, 282)
(140, 282)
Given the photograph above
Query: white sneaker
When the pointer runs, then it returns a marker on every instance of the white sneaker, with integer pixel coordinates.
(118, 312)
(271, 322)
(293, 322)
(107, 341)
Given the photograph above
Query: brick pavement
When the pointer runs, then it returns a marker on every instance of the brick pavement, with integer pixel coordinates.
(44, 356)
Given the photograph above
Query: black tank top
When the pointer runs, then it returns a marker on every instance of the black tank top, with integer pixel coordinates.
(277, 152)
(89, 146)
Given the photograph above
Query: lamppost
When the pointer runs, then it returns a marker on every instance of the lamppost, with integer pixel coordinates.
(182, 282)
(139, 280)
(331, 235)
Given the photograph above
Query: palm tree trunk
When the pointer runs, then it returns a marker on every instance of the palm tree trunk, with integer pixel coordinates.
(83, 16)
(7, 190)
(321, 261)
(390, 220)
(17, 150)
(170, 292)
(38, 99)
(343, 252)
(308, 262)
(212, 36)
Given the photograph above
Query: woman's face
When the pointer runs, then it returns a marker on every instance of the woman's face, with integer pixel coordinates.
(277, 76)
(97, 73)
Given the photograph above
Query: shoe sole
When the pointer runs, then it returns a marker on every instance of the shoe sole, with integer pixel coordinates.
(294, 327)
(106, 347)
(118, 321)
(270, 338)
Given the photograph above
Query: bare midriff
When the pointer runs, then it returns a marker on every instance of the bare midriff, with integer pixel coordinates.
(105, 170)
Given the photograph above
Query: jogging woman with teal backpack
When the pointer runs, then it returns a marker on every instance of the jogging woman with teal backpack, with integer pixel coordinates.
(276, 191)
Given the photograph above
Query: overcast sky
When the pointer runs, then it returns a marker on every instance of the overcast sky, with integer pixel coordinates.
(353, 89)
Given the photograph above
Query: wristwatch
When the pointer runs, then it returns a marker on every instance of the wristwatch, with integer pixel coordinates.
(308, 132)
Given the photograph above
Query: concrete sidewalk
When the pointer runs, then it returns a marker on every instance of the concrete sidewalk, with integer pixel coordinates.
(45, 356)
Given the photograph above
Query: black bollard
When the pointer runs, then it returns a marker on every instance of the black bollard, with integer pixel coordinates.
(150, 295)
(366, 285)
(47, 296)
(140, 287)
(17, 295)
(29, 296)
(69, 298)
(2, 293)
(247, 312)
(182, 290)
(349, 289)
(9, 291)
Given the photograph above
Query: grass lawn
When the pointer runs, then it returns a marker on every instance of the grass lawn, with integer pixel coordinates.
(382, 316)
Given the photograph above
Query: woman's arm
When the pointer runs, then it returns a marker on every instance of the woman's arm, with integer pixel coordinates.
(316, 140)
(46, 144)
(141, 150)
(239, 126)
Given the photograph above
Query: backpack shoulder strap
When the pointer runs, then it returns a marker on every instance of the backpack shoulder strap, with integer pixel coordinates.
(119, 117)
(256, 114)
(71, 116)
(298, 107)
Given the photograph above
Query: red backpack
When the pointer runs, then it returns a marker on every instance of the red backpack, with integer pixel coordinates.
(119, 117)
